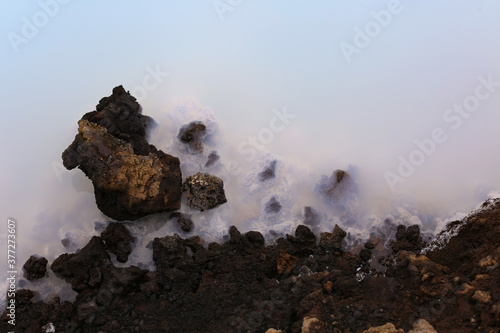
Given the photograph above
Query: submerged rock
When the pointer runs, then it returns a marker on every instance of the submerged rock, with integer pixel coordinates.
(273, 206)
(269, 172)
(192, 135)
(242, 285)
(204, 191)
(118, 240)
(212, 159)
(131, 178)
(332, 241)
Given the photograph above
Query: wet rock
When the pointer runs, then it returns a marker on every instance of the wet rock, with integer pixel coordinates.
(285, 263)
(192, 135)
(387, 328)
(408, 239)
(212, 158)
(183, 220)
(131, 178)
(204, 191)
(118, 240)
(273, 206)
(268, 173)
(332, 241)
(35, 268)
(255, 238)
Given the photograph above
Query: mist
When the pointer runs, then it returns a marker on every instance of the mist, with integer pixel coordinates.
(403, 96)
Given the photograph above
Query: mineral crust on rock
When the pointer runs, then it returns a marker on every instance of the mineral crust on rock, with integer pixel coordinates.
(131, 178)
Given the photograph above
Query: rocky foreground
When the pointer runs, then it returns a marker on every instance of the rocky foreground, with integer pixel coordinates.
(299, 284)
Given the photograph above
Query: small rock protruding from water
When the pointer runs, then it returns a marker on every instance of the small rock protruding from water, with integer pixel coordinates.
(212, 158)
(204, 191)
(333, 241)
(118, 240)
(193, 135)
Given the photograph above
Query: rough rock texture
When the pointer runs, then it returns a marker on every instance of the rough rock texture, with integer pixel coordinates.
(212, 159)
(118, 240)
(183, 220)
(408, 239)
(339, 190)
(131, 178)
(192, 135)
(294, 285)
(387, 328)
(204, 191)
(35, 268)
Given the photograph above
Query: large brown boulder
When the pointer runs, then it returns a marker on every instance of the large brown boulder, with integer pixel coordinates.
(131, 178)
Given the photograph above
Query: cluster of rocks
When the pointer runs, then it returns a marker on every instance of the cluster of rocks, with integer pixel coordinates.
(131, 177)
(298, 284)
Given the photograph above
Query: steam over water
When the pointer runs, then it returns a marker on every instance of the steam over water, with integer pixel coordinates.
(402, 96)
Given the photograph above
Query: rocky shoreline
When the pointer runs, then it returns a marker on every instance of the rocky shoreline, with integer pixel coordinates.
(299, 284)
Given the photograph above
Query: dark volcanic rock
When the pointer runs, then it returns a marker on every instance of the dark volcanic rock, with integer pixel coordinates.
(408, 238)
(212, 159)
(184, 221)
(35, 268)
(269, 172)
(204, 191)
(291, 286)
(131, 178)
(118, 240)
(311, 217)
(85, 268)
(193, 135)
(273, 206)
